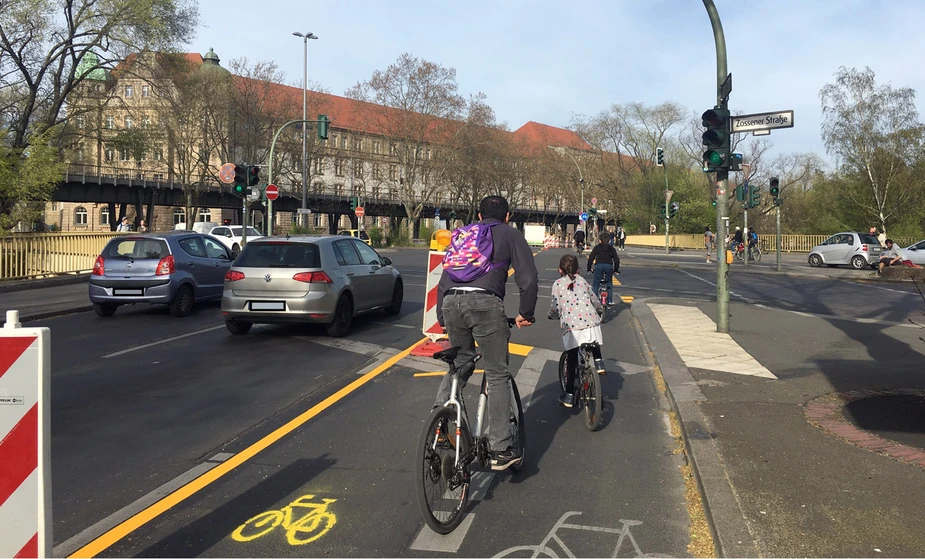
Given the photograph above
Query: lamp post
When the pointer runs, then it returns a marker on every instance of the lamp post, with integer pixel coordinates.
(581, 179)
(305, 37)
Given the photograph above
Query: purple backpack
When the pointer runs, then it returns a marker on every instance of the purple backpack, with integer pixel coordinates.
(469, 255)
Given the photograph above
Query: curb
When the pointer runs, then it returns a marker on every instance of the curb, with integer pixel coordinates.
(32, 317)
(731, 534)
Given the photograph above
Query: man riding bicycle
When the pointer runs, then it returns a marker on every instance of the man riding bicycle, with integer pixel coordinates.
(579, 239)
(752, 240)
(473, 312)
(604, 262)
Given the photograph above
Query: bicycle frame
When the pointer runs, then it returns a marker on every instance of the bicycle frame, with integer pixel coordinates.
(456, 400)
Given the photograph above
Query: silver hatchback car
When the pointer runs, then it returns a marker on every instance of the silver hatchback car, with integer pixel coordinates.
(326, 280)
(859, 250)
(176, 269)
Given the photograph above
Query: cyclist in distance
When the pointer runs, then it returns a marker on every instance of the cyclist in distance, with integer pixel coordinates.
(604, 262)
(579, 239)
(473, 311)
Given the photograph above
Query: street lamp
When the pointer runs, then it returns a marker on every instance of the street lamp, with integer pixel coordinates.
(305, 37)
(581, 180)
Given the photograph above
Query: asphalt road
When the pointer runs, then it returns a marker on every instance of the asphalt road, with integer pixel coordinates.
(169, 434)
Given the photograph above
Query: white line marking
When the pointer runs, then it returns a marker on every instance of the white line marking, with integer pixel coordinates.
(221, 457)
(731, 292)
(428, 540)
(88, 535)
(850, 319)
(396, 325)
(164, 341)
(893, 290)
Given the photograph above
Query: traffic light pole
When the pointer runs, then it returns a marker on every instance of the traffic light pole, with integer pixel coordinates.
(722, 177)
(270, 172)
(778, 235)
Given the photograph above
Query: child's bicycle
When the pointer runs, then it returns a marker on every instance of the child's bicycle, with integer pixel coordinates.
(588, 390)
(450, 445)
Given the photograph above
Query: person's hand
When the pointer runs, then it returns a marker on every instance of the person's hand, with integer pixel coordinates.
(522, 322)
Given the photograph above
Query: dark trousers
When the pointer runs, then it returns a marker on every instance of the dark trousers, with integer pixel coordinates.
(603, 273)
(476, 316)
(571, 366)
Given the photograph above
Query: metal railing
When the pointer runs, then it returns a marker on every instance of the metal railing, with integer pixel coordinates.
(33, 255)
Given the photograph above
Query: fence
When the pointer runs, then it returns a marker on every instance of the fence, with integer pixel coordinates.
(767, 243)
(32, 255)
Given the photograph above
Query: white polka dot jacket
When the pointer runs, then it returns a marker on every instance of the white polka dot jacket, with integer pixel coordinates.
(577, 308)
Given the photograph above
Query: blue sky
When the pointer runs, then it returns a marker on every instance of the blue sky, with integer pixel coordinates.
(546, 60)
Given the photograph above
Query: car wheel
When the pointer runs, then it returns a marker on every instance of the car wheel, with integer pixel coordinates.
(859, 263)
(104, 309)
(235, 249)
(397, 296)
(183, 301)
(343, 314)
(238, 327)
(815, 260)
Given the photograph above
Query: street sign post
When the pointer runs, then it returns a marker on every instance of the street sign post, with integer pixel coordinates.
(226, 173)
(762, 121)
(583, 216)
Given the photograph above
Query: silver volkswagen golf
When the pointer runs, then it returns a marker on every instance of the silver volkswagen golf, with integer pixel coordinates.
(326, 280)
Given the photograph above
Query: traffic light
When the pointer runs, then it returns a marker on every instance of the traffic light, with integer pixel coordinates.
(716, 138)
(659, 157)
(754, 196)
(713, 203)
(240, 181)
(674, 209)
(323, 122)
(354, 203)
(741, 193)
(253, 175)
(663, 211)
(775, 187)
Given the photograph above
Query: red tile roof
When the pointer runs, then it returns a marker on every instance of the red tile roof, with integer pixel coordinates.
(542, 135)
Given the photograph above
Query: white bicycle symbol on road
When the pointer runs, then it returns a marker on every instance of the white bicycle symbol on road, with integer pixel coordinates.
(544, 550)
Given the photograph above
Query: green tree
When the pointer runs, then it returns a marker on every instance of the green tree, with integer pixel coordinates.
(27, 178)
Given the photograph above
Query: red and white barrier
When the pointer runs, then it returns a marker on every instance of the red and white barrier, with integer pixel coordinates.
(432, 327)
(25, 440)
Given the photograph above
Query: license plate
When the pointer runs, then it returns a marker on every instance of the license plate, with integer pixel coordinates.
(267, 305)
(124, 292)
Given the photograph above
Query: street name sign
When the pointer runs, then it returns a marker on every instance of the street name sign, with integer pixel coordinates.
(762, 121)
(305, 211)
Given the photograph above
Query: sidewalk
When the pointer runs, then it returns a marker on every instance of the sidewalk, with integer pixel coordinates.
(44, 299)
(825, 460)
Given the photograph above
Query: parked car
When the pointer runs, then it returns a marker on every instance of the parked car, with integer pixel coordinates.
(327, 280)
(859, 250)
(178, 269)
(199, 226)
(915, 253)
(230, 236)
(357, 234)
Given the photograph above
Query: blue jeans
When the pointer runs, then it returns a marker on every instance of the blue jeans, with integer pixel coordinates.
(603, 272)
(472, 317)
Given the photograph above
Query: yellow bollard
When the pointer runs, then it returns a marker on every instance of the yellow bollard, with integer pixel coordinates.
(728, 257)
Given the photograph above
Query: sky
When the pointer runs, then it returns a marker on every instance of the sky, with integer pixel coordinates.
(548, 61)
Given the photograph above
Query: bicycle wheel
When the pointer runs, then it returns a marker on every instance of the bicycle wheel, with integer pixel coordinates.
(442, 487)
(520, 429)
(562, 371)
(756, 254)
(591, 398)
(258, 526)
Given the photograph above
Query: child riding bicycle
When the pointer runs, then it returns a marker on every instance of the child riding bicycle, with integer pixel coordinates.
(579, 312)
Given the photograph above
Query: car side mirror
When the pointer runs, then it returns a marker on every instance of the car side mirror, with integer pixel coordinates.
(386, 261)
(912, 248)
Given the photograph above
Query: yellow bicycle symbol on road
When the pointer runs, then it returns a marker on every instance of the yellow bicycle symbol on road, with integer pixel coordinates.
(299, 531)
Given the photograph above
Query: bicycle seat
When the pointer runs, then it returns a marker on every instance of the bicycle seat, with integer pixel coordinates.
(448, 355)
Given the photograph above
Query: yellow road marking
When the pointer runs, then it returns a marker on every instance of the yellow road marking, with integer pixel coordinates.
(518, 349)
(443, 373)
(128, 526)
(627, 298)
(305, 529)
(615, 281)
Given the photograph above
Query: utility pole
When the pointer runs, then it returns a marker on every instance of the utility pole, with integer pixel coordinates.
(778, 235)
(748, 201)
(723, 87)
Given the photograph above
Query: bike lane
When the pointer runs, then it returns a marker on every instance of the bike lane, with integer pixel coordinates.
(359, 455)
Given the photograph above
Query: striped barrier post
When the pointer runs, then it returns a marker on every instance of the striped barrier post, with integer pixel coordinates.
(25, 440)
(431, 327)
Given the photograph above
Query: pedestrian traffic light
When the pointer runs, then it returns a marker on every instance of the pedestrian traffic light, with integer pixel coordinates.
(775, 187)
(659, 157)
(253, 175)
(754, 196)
(740, 192)
(674, 209)
(716, 138)
(323, 122)
(713, 203)
(354, 203)
(240, 181)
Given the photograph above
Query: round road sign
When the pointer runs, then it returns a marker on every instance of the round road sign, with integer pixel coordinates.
(226, 173)
(583, 216)
(272, 192)
(360, 211)
(593, 201)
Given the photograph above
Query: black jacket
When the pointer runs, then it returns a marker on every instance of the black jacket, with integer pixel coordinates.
(579, 236)
(510, 250)
(603, 253)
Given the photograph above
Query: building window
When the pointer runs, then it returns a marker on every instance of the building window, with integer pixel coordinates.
(146, 121)
(339, 167)
(110, 122)
(392, 149)
(358, 168)
(376, 191)
(141, 156)
(358, 144)
(205, 215)
(158, 176)
(129, 91)
(377, 172)
(123, 154)
(109, 154)
(393, 172)
(128, 122)
(319, 166)
(427, 155)
(179, 216)
(79, 122)
(80, 216)
(334, 141)
(316, 219)
(145, 91)
(104, 216)
(343, 141)
(158, 154)
(54, 206)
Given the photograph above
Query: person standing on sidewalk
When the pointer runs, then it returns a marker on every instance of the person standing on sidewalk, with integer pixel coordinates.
(709, 242)
(472, 311)
(621, 238)
(604, 262)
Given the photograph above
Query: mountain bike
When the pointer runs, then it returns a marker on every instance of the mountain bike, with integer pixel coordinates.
(754, 253)
(588, 394)
(450, 446)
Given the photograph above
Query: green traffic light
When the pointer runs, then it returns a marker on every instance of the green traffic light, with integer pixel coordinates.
(713, 157)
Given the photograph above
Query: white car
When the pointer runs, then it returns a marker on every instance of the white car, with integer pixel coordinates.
(230, 236)
(915, 253)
